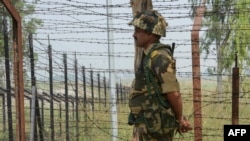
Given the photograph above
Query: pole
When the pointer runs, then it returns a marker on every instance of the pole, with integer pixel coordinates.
(33, 134)
(111, 74)
(235, 94)
(66, 96)
(18, 70)
(77, 99)
(196, 72)
(33, 113)
(8, 81)
(52, 136)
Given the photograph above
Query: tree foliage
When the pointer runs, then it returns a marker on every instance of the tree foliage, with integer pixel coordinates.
(29, 26)
(226, 24)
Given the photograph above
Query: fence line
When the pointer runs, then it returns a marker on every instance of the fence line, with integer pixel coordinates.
(71, 99)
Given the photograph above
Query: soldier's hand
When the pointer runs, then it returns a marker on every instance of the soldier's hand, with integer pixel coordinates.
(184, 126)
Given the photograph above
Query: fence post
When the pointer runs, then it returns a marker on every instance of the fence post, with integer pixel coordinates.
(66, 96)
(99, 92)
(92, 92)
(105, 90)
(196, 72)
(84, 99)
(84, 87)
(3, 114)
(121, 95)
(77, 99)
(124, 94)
(18, 70)
(36, 109)
(60, 117)
(235, 94)
(8, 82)
(51, 93)
(33, 115)
(117, 93)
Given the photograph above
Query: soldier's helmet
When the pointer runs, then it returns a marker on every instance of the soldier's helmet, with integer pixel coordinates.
(151, 21)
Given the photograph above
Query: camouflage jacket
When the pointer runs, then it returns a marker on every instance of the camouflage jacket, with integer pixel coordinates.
(147, 108)
(162, 64)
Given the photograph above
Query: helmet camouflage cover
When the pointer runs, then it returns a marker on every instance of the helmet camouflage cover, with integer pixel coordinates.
(151, 21)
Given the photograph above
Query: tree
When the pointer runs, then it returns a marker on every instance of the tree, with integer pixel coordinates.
(239, 39)
(29, 27)
(223, 22)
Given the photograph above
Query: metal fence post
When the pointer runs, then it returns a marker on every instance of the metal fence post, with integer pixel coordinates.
(18, 70)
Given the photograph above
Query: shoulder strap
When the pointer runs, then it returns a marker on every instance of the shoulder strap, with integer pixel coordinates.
(149, 74)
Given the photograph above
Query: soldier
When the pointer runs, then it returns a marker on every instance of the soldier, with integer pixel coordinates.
(155, 100)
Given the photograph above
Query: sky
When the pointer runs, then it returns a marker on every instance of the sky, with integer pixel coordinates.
(80, 27)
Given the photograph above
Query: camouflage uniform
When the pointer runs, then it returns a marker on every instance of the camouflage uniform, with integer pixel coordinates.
(162, 65)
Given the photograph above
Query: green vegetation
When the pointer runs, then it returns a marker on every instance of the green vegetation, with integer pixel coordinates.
(95, 124)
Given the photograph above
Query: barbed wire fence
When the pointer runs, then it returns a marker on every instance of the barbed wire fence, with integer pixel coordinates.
(68, 45)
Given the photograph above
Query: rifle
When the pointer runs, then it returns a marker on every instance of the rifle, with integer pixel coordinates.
(172, 48)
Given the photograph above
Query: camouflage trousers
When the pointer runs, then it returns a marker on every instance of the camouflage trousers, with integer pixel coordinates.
(140, 134)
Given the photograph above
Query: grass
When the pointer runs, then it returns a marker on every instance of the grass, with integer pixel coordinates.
(96, 125)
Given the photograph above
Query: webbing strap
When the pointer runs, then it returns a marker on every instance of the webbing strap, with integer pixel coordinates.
(149, 75)
(150, 78)
(156, 88)
(148, 72)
